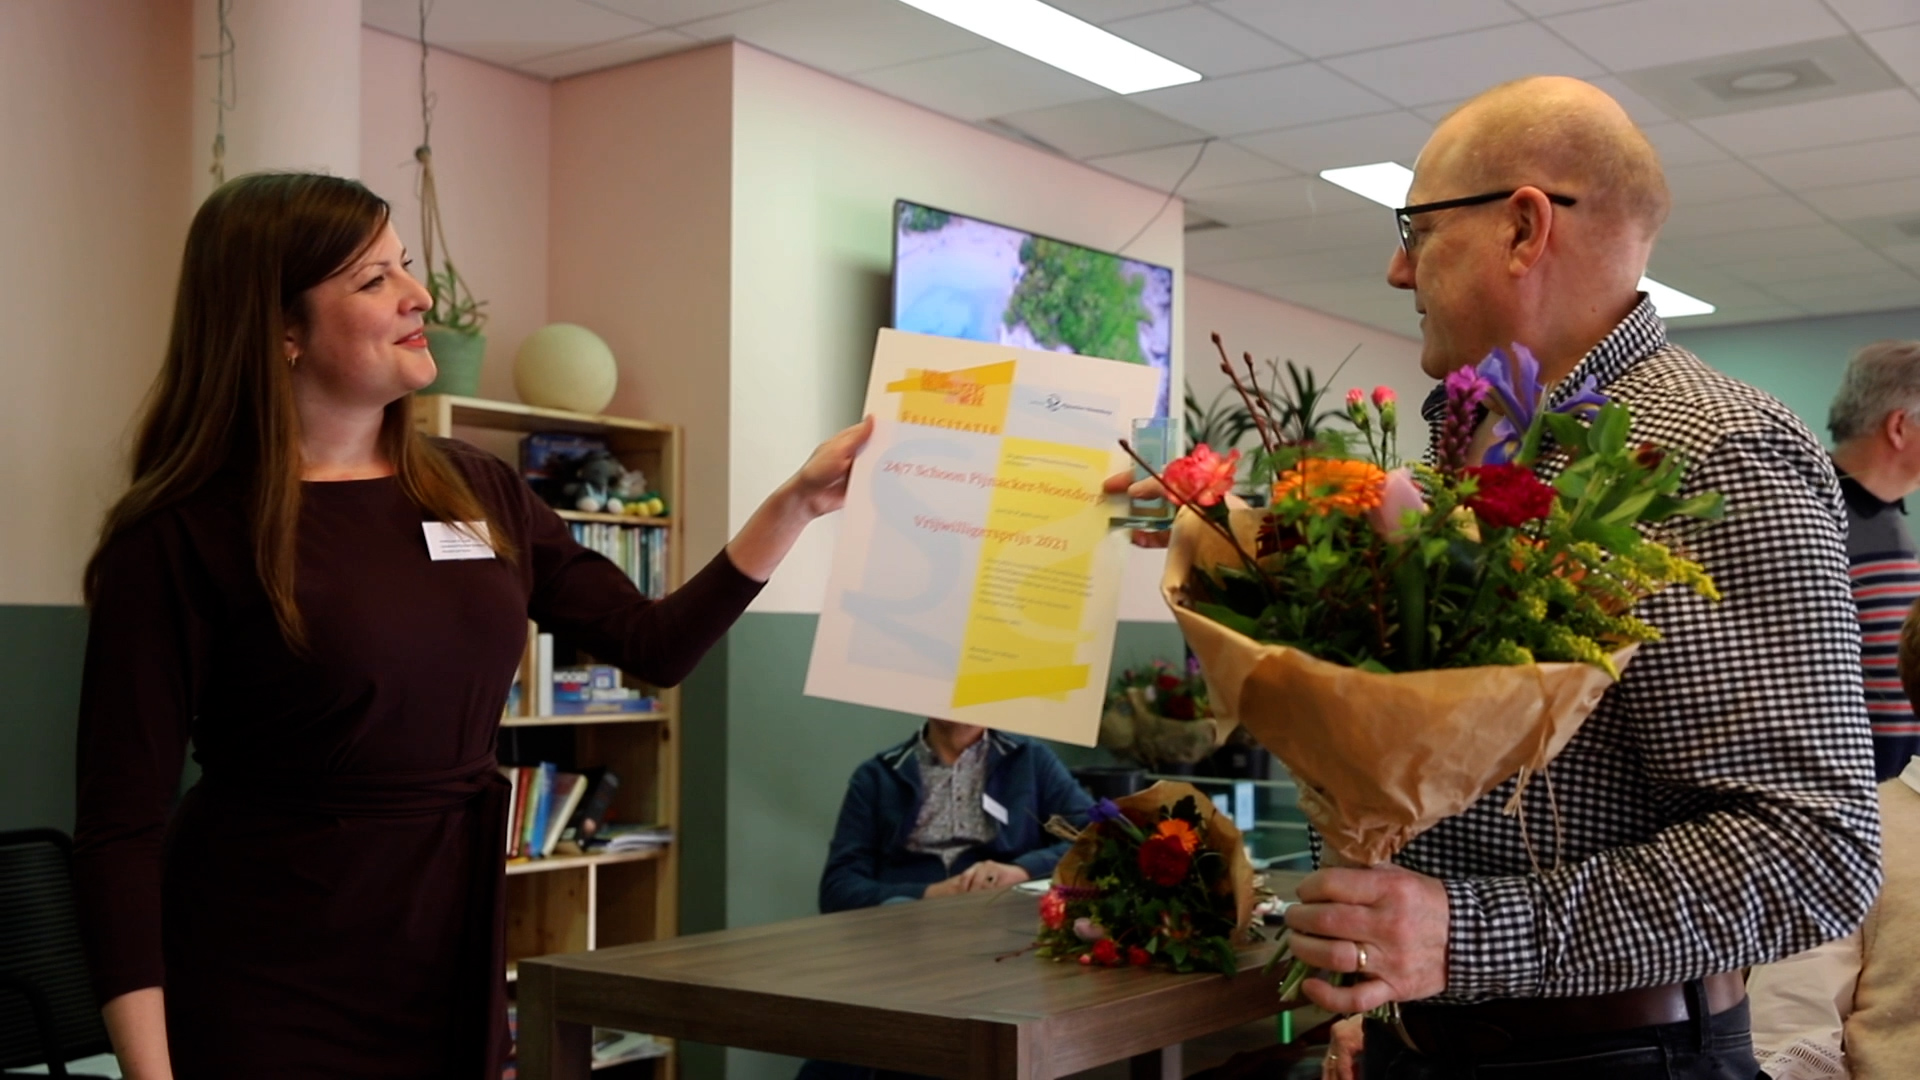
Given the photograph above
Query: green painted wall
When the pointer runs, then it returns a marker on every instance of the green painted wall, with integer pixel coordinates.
(1798, 362)
(41, 647)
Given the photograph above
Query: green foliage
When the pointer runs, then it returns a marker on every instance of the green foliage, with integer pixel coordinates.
(918, 219)
(454, 306)
(1070, 296)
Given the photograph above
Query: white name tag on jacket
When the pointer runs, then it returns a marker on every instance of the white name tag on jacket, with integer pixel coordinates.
(465, 541)
(993, 808)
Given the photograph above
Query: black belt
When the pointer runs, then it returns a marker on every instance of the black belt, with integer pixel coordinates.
(1490, 1027)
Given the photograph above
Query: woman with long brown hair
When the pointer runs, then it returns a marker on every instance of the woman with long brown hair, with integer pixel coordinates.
(326, 901)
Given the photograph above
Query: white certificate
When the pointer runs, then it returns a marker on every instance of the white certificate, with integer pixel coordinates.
(976, 578)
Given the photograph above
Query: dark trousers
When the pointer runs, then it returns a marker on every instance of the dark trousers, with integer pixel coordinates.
(1718, 1047)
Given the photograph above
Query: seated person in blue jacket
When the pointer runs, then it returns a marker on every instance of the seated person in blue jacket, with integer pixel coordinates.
(956, 808)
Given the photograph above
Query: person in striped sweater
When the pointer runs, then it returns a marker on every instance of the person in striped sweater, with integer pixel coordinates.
(1875, 421)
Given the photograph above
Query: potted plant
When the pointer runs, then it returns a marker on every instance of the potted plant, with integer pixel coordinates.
(453, 333)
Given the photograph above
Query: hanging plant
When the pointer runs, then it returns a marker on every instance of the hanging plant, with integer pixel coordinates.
(454, 322)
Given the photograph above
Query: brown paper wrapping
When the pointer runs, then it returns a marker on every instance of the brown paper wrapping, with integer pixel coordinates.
(1130, 726)
(1220, 835)
(1379, 759)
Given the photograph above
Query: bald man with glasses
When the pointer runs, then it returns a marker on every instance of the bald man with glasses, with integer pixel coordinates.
(1718, 808)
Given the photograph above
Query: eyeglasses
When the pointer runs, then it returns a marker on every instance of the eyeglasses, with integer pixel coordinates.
(1404, 215)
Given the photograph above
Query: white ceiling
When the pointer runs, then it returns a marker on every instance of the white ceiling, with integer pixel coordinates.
(1781, 211)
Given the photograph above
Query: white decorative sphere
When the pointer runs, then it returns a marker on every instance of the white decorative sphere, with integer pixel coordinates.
(564, 366)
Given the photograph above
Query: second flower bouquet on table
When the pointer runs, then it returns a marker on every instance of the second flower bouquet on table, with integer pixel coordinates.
(1156, 878)
(1406, 638)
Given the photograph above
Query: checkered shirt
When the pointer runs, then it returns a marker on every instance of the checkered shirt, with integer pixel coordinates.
(1718, 808)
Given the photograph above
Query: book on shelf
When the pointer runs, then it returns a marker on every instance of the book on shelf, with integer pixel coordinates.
(569, 789)
(543, 675)
(596, 688)
(546, 457)
(603, 785)
(640, 551)
(616, 839)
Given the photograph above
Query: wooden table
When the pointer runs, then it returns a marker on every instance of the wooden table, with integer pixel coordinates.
(931, 987)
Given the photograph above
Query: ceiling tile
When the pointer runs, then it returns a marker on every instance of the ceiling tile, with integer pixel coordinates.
(1790, 270)
(1462, 65)
(1264, 100)
(1831, 122)
(1864, 15)
(1541, 9)
(1852, 305)
(1718, 181)
(1108, 125)
(1226, 244)
(1366, 288)
(1866, 200)
(1815, 239)
(504, 33)
(607, 54)
(1394, 136)
(975, 86)
(1900, 49)
(1648, 33)
(1680, 145)
(823, 34)
(1368, 230)
(1222, 165)
(1318, 28)
(1640, 107)
(1738, 215)
(1106, 11)
(1889, 285)
(1273, 200)
(1832, 166)
(1907, 255)
(671, 12)
(1336, 263)
(1204, 40)
(1762, 313)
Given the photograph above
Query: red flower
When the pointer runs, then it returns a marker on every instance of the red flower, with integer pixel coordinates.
(1201, 477)
(1138, 956)
(1509, 495)
(1168, 682)
(1106, 953)
(1053, 910)
(1165, 860)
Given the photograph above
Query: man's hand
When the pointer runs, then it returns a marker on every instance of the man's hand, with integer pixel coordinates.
(1396, 918)
(949, 887)
(990, 875)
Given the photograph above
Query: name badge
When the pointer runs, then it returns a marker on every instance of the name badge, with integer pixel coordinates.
(468, 540)
(993, 808)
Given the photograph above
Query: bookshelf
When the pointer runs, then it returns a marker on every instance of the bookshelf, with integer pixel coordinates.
(572, 903)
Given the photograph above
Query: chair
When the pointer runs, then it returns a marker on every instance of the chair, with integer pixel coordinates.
(48, 1014)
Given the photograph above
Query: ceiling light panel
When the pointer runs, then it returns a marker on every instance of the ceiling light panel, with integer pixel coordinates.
(1052, 36)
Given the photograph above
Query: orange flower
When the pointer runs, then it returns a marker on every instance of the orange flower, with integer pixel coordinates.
(1182, 832)
(1333, 485)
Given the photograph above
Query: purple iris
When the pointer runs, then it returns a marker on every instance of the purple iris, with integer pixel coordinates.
(1103, 811)
(1515, 381)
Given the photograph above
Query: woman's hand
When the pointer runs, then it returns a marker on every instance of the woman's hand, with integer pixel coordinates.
(820, 487)
(821, 484)
(1122, 483)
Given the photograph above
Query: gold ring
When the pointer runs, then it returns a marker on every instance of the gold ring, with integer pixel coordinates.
(1362, 950)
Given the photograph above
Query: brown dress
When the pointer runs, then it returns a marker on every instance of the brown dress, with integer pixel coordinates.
(326, 900)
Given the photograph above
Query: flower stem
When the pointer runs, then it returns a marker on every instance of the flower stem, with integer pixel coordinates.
(1269, 437)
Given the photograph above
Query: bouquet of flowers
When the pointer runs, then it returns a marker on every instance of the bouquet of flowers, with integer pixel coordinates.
(1407, 638)
(1158, 714)
(1159, 877)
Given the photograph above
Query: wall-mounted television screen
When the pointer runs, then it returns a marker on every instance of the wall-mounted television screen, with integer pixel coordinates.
(957, 276)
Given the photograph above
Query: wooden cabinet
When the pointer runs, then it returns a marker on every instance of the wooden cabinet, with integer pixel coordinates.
(569, 903)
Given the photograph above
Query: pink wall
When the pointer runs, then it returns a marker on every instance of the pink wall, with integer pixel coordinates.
(642, 160)
(94, 194)
(1275, 329)
(491, 133)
